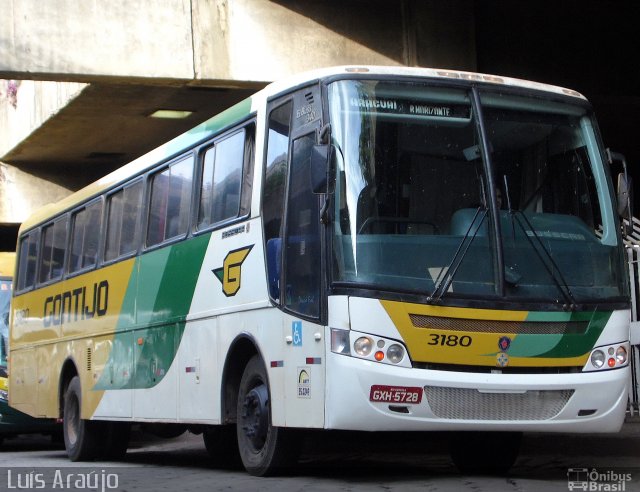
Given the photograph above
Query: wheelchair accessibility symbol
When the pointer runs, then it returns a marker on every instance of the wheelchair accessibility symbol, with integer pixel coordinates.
(296, 333)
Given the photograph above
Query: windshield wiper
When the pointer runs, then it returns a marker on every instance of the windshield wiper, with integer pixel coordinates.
(445, 277)
(543, 254)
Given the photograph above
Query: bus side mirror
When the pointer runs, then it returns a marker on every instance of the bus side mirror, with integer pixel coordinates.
(319, 172)
(624, 191)
(624, 195)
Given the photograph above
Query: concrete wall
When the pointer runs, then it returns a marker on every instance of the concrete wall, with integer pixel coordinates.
(81, 40)
(264, 40)
(227, 40)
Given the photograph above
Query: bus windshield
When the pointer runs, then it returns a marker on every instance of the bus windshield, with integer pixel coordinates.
(421, 206)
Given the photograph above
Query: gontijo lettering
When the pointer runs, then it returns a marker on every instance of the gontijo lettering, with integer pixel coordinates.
(77, 304)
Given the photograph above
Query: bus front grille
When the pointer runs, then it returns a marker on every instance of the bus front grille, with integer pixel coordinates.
(471, 404)
(499, 326)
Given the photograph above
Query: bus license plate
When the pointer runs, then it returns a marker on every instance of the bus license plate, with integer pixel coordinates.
(395, 394)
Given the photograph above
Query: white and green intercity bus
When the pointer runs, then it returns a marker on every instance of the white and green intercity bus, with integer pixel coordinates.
(356, 248)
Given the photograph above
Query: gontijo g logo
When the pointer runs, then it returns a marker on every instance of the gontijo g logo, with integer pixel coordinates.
(229, 273)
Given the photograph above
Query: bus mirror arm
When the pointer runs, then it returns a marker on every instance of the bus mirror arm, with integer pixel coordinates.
(319, 163)
(324, 133)
(624, 191)
(321, 160)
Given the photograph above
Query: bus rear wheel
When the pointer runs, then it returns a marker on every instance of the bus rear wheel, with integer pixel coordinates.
(485, 453)
(81, 437)
(264, 449)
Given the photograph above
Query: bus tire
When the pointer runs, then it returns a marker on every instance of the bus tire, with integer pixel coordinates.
(81, 437)
(221, 442)
(264, 449)
(485, 453)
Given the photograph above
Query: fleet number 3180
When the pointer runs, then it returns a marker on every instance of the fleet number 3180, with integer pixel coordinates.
(450, 340)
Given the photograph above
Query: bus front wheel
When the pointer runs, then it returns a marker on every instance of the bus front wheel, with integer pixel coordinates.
(264, 449)
(81, 437)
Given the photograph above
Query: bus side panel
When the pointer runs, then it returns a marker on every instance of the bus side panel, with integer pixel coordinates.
(113, 368)
(198, 373)
(229, 302)
(155, 383)
(23, 380)
(47, 387)
(113, 355)
(167, 279)
(264, 327)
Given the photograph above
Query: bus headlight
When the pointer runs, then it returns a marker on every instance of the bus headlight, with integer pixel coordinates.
(621, 355)
(395, 353)
(363, 346)
(369, 347)
(614, 356)
(597, 358)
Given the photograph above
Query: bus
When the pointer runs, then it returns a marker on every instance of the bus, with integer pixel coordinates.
(355, 248)
(7, 264)
(13, 422)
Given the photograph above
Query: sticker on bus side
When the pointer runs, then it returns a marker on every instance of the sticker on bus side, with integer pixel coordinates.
(304, 382)
(395, 394)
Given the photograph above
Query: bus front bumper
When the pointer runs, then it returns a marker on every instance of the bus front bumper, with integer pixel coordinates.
(370, 396)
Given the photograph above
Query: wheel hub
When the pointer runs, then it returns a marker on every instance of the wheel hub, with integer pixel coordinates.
(255, 415)
(71, 421)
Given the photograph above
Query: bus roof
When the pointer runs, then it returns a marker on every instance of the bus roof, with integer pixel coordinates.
(244, 108)
(402, 71)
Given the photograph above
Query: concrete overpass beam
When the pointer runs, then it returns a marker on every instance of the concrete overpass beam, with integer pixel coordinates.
(27, 105)
(82, 40)
(24, 191)
(226, 42)
(263, 40)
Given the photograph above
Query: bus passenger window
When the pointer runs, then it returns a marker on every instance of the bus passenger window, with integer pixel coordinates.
(123, 221)
(222, 181)
(85, 233)
(28, 261)
(170, 202)
(53, 248)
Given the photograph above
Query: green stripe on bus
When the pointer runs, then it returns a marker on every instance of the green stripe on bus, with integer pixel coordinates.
(561, 345)
(168, 279)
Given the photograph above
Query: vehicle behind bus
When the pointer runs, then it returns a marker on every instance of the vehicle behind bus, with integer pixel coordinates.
(13, 422)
